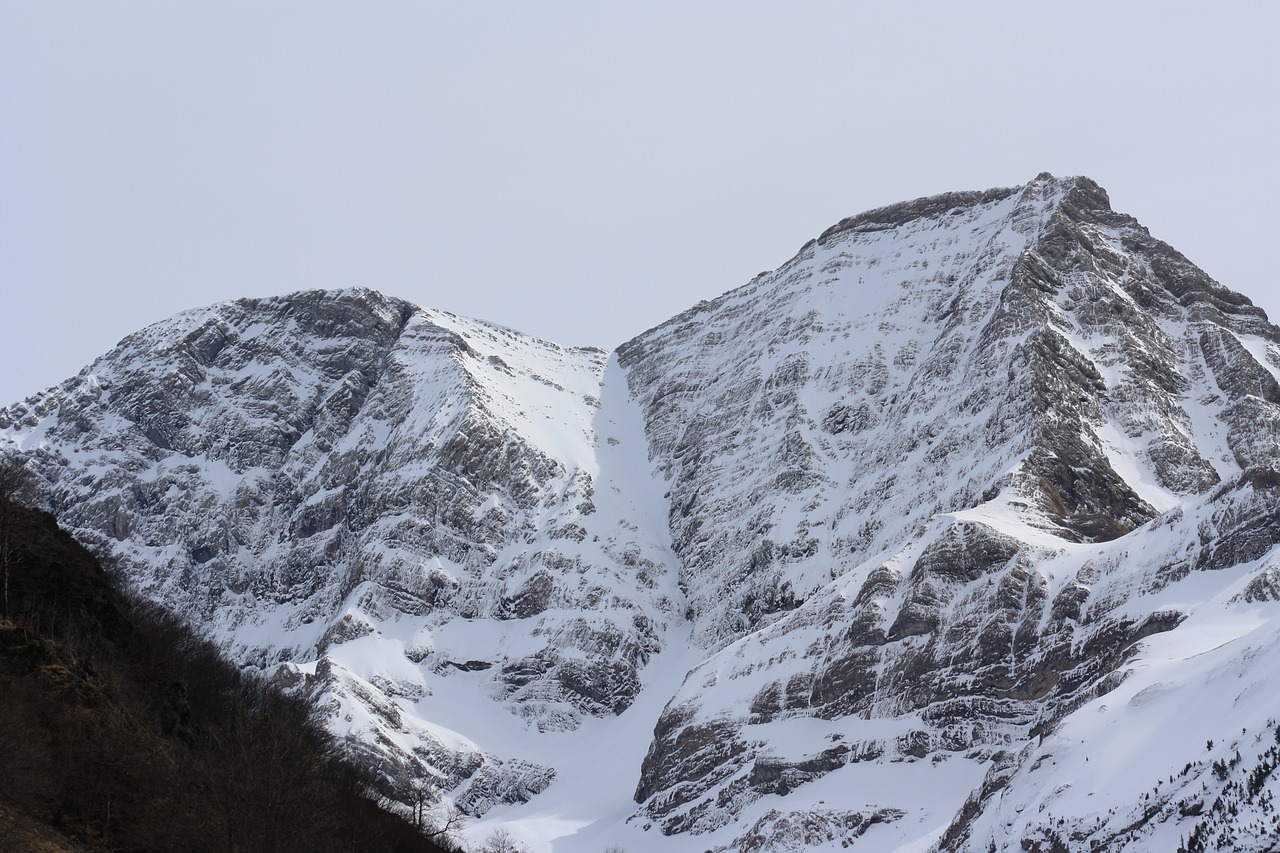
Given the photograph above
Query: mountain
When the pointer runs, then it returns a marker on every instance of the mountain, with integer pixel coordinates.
(954, 532)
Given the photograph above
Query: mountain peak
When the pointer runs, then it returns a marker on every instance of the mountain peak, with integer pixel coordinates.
(1080, 192)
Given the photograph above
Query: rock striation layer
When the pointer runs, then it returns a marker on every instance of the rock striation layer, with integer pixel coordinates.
(947, 533)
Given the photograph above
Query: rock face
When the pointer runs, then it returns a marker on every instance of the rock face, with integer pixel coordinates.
(971, 501)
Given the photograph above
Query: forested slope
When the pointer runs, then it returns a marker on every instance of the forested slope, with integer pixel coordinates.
(120, 730)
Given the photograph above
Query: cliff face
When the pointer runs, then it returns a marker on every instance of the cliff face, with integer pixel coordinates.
(887, 520)
(926, 481)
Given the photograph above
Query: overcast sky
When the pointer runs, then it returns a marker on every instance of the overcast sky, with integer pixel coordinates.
(580, 171)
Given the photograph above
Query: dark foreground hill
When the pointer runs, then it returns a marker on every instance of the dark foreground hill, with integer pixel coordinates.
(120, 730)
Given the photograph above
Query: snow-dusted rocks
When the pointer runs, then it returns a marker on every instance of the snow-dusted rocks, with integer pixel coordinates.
(378, 497)
(909, 543)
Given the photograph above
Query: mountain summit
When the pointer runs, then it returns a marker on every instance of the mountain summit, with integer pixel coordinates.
(954, 532)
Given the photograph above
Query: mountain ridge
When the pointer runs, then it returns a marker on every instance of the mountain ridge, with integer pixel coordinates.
(923, 489)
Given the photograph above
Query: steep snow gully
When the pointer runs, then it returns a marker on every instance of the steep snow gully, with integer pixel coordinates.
(955, 532)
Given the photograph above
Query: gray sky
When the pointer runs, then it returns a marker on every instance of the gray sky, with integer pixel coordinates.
(580, 171)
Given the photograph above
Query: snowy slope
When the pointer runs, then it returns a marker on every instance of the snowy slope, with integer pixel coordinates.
(949, 533)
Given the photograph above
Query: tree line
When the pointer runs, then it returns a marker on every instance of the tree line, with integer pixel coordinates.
(120, 729)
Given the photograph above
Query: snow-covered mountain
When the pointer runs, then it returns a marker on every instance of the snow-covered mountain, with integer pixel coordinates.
(956, 531)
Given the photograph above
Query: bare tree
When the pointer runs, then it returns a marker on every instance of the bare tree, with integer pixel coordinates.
(17, 486)
(500, 841)
(443, 823)
(421, 795)
(432, 815)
